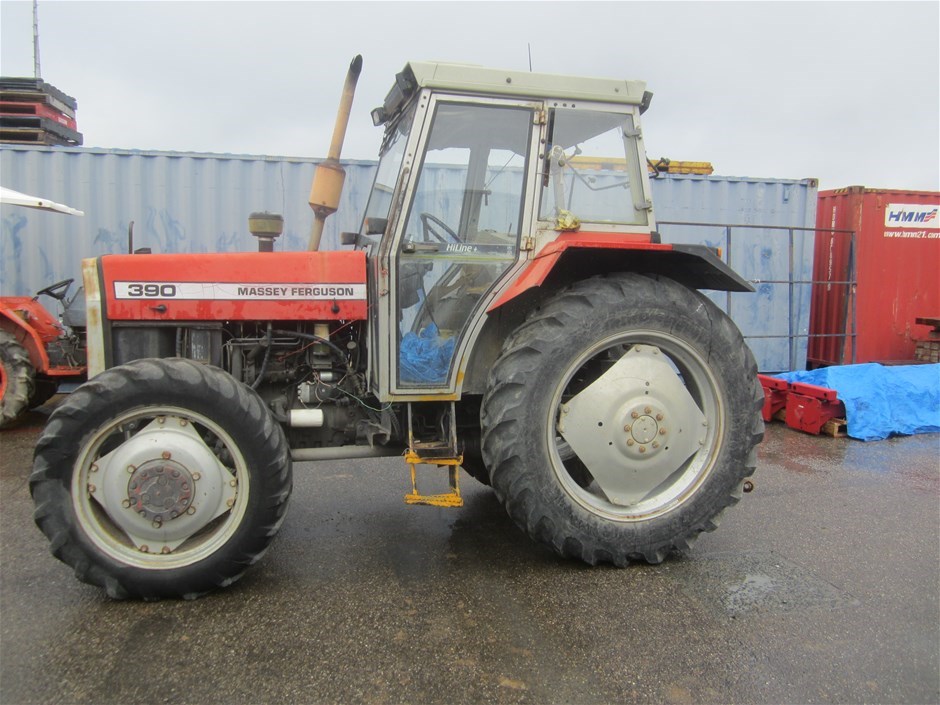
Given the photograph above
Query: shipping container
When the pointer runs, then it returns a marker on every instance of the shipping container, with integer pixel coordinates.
(191, 202)
(896, 257)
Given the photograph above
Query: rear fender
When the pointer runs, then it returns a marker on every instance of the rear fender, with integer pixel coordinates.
(575, 256)
(579, 255)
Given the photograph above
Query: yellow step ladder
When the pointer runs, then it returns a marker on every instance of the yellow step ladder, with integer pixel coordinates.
(435, 451)
(448, 499)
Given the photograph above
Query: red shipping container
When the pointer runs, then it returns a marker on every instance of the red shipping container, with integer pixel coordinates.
(897, 258)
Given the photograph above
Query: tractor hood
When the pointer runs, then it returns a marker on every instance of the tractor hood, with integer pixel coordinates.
(269, 286)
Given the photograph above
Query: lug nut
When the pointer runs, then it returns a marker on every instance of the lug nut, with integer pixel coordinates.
(635, 415)
(642, 449)
(165, 550)
(659, 417)
(94, 467)
(630, 441)
(627, 428)
(230, 503)
(655, 444)
(197, 476)
(647, 410)
(145, 549)
(91, 489)
(662, 432)
(182, 422)
(165, 455)
(131, 468)
(126, 503)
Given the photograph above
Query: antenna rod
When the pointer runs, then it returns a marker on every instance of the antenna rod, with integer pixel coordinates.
(36, 73)
(529, 44)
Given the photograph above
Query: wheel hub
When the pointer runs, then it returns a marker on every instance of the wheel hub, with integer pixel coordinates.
(162, 485)
(645, 431)
(634, 426)
(160, 490)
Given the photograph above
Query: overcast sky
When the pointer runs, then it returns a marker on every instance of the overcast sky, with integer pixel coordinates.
(847, 92)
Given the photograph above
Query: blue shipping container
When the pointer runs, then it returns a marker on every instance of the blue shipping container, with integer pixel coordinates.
(190, 202)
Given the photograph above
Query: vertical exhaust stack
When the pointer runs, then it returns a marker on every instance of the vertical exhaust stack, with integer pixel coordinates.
(329, 176)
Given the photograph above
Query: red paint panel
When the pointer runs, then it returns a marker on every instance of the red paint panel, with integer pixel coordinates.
(33, 314)
(538, 269)
(897, 250)
(258, 286)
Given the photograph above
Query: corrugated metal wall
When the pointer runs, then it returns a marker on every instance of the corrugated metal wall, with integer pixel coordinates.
(185, 202)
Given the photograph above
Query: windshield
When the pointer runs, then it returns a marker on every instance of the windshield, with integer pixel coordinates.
(593, 168)
(386, 176)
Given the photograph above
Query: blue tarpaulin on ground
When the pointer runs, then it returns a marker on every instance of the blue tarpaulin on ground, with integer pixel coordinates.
(882, 401)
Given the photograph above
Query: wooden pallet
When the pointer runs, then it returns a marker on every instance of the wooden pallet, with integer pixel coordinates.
(22, 135)
(837, 428)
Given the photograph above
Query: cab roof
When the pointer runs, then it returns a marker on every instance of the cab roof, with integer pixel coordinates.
(466, 78)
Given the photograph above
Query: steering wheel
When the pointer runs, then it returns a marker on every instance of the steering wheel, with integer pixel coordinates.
(437, 228)
(57, 290)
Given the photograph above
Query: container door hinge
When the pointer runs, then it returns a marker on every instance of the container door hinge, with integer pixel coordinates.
(528, 244)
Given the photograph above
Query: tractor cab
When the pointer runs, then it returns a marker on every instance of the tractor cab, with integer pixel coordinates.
(480, 169)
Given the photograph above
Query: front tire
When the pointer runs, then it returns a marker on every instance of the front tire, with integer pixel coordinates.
(161, 478)
(17, 379)
(621, 419)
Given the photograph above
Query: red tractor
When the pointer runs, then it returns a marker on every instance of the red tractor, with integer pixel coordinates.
(505, 309)
(37, 352)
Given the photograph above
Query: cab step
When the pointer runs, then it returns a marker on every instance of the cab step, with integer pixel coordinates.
(448, 499)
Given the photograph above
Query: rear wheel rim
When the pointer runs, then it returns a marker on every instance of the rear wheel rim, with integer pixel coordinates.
(687, 476)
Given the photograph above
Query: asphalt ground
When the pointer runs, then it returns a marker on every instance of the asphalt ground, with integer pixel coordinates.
(823, 585)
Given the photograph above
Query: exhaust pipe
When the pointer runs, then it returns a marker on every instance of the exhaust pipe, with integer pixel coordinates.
(329, 176)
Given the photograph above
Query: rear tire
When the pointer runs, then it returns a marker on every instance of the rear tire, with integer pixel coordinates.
(17, 379)
(698, 425)
(161, 478)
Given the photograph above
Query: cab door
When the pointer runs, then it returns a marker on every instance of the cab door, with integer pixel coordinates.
(466, 212)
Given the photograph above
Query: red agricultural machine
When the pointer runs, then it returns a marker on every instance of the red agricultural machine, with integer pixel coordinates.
(503, 308)
(38, 351)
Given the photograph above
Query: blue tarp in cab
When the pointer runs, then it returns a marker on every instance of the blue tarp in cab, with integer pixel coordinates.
(882, 401)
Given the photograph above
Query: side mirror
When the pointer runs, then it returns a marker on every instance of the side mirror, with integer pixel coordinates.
(348, 238)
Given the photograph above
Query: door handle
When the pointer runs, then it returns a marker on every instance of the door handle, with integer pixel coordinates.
(410, 247)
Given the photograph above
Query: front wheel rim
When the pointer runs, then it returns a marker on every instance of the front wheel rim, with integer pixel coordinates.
(677, 479)
(160, 488)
